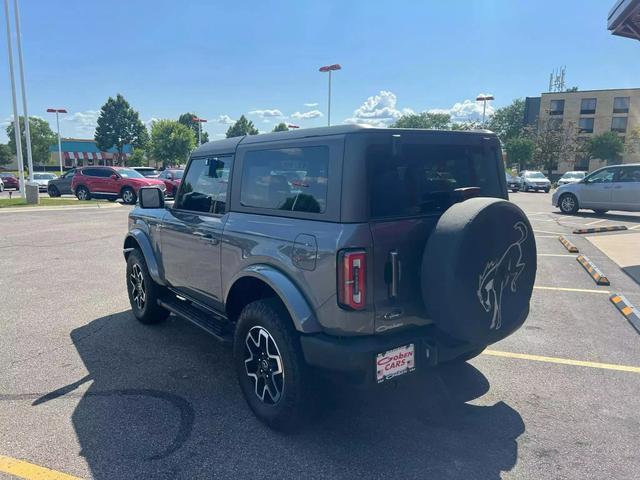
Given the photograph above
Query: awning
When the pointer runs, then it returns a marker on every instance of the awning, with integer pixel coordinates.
(91, 155)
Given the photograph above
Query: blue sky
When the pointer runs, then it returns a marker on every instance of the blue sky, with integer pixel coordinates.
(224, 59)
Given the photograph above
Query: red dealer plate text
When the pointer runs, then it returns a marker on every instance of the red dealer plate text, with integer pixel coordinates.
(395, 362)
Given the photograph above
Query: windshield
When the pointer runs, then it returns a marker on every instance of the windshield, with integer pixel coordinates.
(43, 176)
(129, 173)
(534, 175)
(573, 175)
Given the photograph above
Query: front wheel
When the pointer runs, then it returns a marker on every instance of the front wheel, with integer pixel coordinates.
(546, 190)
(270, 366)
(53, 191)
(568, 203)
(143, 291)
(129, 196)
(82, 193)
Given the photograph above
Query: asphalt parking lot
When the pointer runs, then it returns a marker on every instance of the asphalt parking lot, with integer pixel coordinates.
(87, 391)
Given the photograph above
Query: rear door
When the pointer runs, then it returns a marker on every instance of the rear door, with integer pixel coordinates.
(412, 179)
(626, 189)
(64, 182)
(192, 230)
(597, 191)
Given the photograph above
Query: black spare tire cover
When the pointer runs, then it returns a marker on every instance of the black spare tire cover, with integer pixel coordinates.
(478, 270)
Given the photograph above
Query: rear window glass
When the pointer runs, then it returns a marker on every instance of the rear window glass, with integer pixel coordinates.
(419, 179)
(293, 179)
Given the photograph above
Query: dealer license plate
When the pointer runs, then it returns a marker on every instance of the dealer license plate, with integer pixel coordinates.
(395, 362)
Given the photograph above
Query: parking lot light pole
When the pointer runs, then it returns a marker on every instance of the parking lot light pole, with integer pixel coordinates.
(484, 99)
(57, 111)
(329, 68)
(200, 122)
(16, 117)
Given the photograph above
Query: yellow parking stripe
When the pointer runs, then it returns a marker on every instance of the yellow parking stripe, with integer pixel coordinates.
(563, 361)
(582, 290)
(29, 471)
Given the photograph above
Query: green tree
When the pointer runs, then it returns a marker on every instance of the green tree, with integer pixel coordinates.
(41, 139)
(281, 127)
(137, 158)
(508, 122)
(242, 127)
(5, 154)
(171, 142)
(520, 150)
(469, 125)
(119, 125)
(606, 146)
(437, 121)
(186, 119)
(554, 141)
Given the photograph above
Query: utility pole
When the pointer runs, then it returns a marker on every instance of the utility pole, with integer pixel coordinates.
(329, 68)
(16, 117)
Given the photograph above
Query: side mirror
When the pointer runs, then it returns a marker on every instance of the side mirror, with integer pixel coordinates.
(151, 197)
(114, 176)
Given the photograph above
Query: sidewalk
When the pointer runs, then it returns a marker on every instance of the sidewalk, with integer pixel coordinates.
(624, 249)
(66, 207)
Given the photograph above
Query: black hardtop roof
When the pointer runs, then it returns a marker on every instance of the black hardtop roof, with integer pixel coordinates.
(228, 145)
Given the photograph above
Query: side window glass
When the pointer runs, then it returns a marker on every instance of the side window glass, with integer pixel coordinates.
(629, 174)
(204, 187)
(293, 179)
(603, 176)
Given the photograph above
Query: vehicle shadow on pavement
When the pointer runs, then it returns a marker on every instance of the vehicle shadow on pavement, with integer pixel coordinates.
(163, 402)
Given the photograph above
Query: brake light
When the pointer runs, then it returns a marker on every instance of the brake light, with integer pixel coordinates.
(352, 279)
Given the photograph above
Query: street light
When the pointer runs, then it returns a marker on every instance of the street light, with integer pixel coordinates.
(484, 99)
(330, 68)
(200, 122)
(57, 111)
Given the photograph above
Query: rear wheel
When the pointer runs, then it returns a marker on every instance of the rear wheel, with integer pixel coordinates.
(53, 191)
(128, 196)
(143, 291)
(82, 193)
(568, 203)
(270, 366)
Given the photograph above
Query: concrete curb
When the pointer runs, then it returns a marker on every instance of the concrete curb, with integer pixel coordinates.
(630, 312)
(568, 245)
(61, 207)
(614, 228)
(597, 275)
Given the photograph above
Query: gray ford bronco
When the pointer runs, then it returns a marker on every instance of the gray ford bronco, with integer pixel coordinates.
(359, 252)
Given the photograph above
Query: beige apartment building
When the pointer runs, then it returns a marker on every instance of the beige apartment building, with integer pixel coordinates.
(591, 112)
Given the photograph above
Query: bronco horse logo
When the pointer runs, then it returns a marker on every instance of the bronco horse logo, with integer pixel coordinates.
(499, 274)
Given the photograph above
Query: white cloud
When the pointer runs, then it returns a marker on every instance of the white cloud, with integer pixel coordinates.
(84, 123)
(225, 120)
(311, 105)
(466, 110)
(378, 110)
(307, 115)
(266, 113)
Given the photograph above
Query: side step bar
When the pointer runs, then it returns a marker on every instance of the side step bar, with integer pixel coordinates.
(208, 320)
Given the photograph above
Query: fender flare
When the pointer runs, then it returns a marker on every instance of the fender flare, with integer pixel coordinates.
(144, 243)
(294, 301)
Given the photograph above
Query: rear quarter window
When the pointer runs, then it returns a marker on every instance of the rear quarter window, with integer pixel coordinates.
(413, 179)
(290, 179)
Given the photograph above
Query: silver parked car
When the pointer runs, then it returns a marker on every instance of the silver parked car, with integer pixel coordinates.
(42, 179)
(571, 177)
(533, 180)
(609, 188)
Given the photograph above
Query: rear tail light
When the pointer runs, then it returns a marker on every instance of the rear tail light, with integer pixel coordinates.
(352, 279)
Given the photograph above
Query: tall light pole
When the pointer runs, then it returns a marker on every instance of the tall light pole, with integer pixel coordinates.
(27, 133)
(330, 68)
(200, 122)
(57, 111)
(16, 117)
(484, 99)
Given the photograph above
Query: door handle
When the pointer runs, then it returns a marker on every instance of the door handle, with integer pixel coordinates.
(207, 237)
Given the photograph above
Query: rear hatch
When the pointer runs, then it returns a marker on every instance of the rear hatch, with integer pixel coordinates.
(413, 177)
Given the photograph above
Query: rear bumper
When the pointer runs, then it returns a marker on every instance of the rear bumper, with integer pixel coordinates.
(356, 356)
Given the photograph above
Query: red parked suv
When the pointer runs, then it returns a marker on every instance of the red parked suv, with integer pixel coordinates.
(172, 178)
(111, 183)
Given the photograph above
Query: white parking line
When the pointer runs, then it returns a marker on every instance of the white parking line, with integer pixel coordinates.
(580, 290)
(555, 255)
(634, 228)
(546, 236)
(595, 222)
(552, 233)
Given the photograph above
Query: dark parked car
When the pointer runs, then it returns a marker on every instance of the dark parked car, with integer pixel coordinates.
(111, 183)
(62, 184)
(363, 253)
(513, 183)
(172, 178)
(10, 180)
